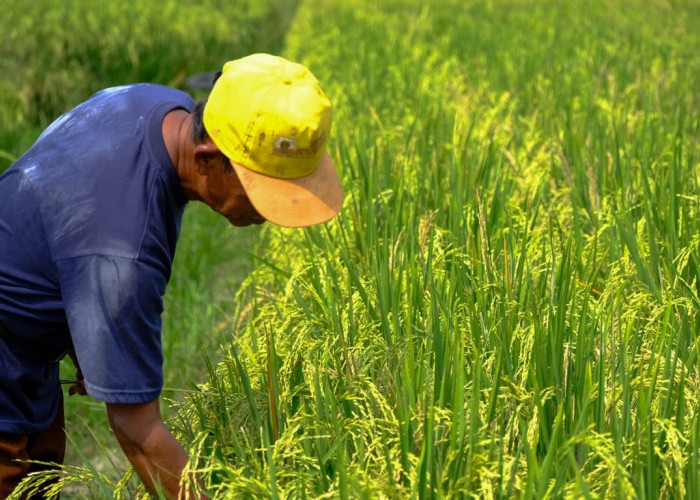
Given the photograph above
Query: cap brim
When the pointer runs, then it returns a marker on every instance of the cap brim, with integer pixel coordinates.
(305, 201)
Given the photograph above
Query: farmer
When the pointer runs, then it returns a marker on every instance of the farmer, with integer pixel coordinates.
(89, 219)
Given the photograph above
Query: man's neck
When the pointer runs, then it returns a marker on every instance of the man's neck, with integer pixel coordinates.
(172, 129)
(177, 125)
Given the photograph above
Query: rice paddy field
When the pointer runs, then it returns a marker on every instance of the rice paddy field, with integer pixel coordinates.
(508, 304)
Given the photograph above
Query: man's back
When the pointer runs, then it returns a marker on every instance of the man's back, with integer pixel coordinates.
(89, 221)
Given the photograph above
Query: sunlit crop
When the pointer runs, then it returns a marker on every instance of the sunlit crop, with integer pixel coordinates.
(507, 306)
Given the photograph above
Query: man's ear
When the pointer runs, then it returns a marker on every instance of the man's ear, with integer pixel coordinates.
(204, 154)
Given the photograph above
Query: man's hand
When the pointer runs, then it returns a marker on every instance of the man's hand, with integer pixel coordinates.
(79, 386)
(157, 457)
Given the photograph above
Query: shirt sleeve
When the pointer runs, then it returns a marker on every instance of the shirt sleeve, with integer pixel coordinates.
(113, 306)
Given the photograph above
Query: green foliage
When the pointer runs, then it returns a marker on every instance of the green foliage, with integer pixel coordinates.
(508, 304)
(56, 54)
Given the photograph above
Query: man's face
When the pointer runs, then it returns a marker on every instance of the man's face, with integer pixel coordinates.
(225, 195)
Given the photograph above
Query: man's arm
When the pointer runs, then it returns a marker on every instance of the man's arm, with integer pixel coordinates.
(154, 452)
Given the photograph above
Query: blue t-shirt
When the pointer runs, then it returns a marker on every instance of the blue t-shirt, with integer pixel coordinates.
(89, 220)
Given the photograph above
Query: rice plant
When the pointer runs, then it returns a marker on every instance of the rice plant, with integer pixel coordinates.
(507, 307)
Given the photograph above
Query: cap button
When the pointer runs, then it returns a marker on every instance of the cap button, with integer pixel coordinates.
(287, 81)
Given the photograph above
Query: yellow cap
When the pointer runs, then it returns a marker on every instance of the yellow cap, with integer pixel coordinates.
(270, 117)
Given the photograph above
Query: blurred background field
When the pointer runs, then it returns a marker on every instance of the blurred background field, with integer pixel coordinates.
(507, 306)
